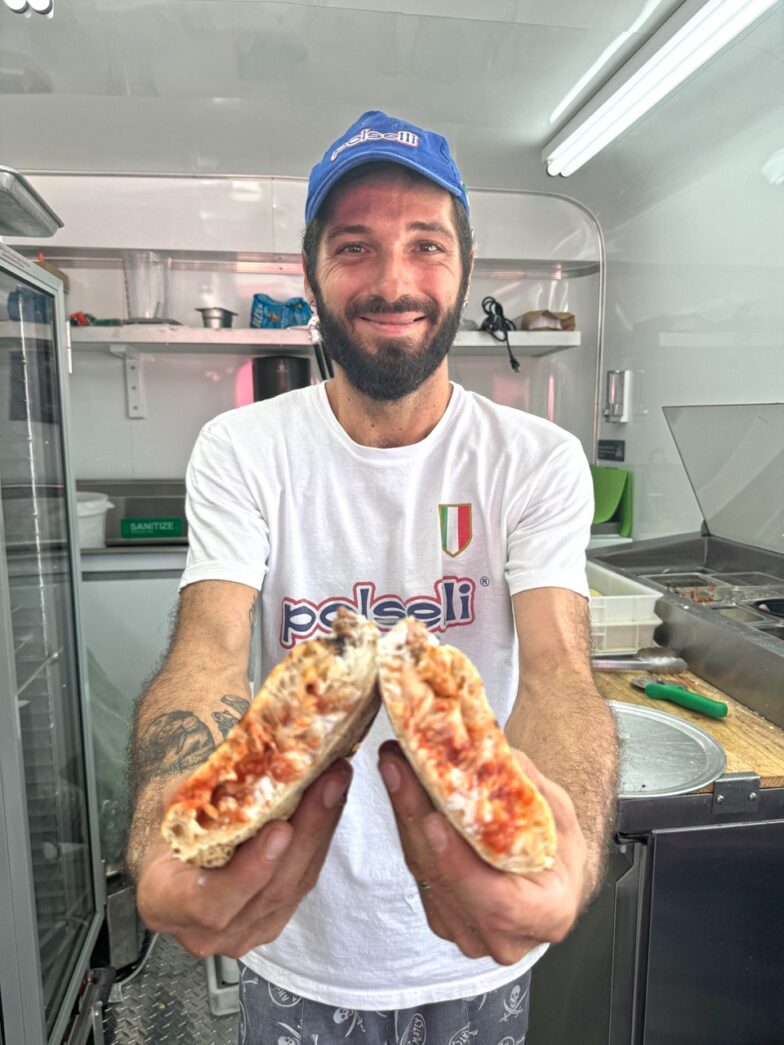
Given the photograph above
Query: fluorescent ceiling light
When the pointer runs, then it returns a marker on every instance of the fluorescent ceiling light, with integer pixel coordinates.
(649, 76)
(603, 59)
(25, 7)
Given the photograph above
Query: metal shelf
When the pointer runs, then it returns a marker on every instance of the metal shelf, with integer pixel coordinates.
(523, 342)
(149, 338)
(11, 330)
(533, 268)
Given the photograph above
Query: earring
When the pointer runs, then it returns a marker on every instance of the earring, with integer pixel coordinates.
(314, 328)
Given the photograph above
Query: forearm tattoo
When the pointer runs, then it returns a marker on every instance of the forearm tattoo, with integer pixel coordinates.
(225, 720)
(172, 742)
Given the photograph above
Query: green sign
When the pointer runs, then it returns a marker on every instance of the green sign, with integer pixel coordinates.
(132, 529)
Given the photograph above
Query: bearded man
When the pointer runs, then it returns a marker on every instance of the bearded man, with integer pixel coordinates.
(393, 491)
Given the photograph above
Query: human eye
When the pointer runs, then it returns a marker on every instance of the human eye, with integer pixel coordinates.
(431, 247)
(349, 248)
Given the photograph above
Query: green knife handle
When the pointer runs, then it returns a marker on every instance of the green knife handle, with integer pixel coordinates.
(687, 699)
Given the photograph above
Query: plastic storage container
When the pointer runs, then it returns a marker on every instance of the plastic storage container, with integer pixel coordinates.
(91, 509)
(622, 614)
(623, 636)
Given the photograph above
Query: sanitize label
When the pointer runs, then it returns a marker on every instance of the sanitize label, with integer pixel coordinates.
(151, 528)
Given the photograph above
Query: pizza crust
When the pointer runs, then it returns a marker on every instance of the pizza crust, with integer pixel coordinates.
(436, 702)
(314, 707)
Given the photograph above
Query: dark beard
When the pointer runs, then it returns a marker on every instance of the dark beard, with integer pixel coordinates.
(392, 371)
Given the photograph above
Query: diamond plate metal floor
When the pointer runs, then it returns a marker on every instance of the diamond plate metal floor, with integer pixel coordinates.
(166, 1004)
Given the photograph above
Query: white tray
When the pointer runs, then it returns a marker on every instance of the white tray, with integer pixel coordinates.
(622, 599)
(623, 636)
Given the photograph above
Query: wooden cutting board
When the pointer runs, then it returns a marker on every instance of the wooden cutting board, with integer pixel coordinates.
(750, 742)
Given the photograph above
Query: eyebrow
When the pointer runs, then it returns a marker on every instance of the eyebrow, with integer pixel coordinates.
(414, 226)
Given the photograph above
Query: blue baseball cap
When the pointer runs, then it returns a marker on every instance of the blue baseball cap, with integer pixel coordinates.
(376, 136)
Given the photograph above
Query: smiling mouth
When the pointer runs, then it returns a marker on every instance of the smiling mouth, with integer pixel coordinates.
(393, 322)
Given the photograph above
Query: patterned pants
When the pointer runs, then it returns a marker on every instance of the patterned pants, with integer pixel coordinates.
(270, 1015)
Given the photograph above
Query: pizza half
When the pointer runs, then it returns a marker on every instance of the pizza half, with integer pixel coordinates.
(314, 707)
(436, 702)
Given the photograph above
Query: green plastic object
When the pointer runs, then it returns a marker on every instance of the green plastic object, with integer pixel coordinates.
(684, 697)
(612, 492)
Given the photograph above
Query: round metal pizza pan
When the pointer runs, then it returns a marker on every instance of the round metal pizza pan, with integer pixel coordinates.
(662, 755)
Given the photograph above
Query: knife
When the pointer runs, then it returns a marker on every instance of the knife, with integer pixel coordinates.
(660, 690)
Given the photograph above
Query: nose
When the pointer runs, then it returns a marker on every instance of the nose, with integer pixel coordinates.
(393, 277)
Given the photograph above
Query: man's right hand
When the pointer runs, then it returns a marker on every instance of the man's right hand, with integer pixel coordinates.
(229, 910)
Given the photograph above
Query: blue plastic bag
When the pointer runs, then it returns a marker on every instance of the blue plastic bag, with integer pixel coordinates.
(268, 313)
(29, 305)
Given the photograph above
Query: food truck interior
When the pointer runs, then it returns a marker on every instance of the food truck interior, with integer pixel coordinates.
(624, 162)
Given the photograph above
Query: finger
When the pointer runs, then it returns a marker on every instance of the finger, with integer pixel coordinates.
(312, 826)
(411, 804)
(266, 914)
(220, 894)
(415, 815)
(483, 910)
(438, 924)
(314, 823)
(449, 923)
(175, 895)
(541, 904)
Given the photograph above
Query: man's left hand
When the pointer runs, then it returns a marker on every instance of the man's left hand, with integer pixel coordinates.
(484, 911)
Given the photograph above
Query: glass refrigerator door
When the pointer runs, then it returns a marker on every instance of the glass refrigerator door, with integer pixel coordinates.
(54, 888)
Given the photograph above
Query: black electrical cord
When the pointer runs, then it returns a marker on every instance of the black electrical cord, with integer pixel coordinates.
(323, 361)
(497, 325)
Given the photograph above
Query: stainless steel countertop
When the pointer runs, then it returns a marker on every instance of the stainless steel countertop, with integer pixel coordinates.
(124, 559)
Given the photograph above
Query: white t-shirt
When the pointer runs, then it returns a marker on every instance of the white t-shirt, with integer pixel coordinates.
(493, 501)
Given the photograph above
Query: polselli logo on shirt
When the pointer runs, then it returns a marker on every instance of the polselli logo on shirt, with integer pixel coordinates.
(450, 606)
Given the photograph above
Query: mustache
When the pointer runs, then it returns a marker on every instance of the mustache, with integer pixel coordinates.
(375, 304)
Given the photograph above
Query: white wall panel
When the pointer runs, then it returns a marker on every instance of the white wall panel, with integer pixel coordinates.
(529, 225)
(101, 292)
(560, 386)
(691, 202)
(182, 393)
(160, 213)
(288, 214)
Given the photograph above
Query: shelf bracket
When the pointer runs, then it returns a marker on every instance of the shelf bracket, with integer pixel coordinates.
(135, 401)
(737, 793)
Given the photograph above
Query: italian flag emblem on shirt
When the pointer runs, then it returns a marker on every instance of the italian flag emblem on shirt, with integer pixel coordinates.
(455, 520)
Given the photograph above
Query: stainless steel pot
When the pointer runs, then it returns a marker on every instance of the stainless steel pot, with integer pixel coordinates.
(217, 317)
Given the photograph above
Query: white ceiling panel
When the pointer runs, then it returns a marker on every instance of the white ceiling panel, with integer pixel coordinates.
(256, 87)
(245, 86)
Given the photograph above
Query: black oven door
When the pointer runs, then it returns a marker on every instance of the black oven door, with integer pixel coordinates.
(583, 989)
(715, 962)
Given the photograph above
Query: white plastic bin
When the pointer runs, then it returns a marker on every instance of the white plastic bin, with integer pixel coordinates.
(91, 509)
(623, 636)
(620, 598)
(623, 618)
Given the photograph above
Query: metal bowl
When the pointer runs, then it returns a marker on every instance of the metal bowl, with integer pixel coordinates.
(217, 317)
